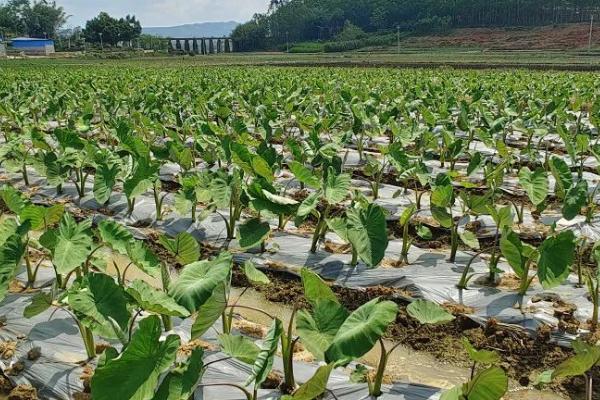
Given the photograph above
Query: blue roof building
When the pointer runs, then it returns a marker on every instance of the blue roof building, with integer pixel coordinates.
(33, 46)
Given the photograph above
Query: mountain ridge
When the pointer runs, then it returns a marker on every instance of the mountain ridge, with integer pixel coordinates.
(201, 29)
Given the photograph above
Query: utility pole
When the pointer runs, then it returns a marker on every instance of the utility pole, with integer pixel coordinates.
(398, 27)
(287, 41)
(101, 42)
(591, 31)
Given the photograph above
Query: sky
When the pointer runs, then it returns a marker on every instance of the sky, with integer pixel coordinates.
(165, 12)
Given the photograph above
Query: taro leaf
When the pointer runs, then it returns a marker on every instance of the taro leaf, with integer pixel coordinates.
(442, 196)
(142, 362)
(142, 257)
(428, 312)
(336, 187)
(42, 217)
(480, 356)
(309, 204)
(73, 244)
(317, 329)
(424, 232)
(239, 347)
(209, 312)
(11, 253)
(339, 226)
(512, 249)
(361, 330)
(253, 232)
(406, 215)
(315, 289)
(502, 216)
(489, 384)
(155, 301)
(180, 383)
(261, 168)
(469, 239)
(254, 275)
(367, 231)
(315, 386)
(40, 302)
(104, 182)
(543, 378)
(442, 216)
(556, 255)
(474, 163)
(562, 175)
(102, 303)
(264, 362)
(13, 199)
(535, 184)
(578, 364)
(8, 227)
(115, 235)
(575, 198)
(197, 281)
(452, 394)
(184, 247)
(304, 175)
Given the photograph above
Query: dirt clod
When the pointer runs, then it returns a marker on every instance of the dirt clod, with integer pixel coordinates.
(23, 392)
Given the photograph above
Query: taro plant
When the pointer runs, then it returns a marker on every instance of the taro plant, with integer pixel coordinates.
(334, 189)
(364, 227)
(489, 384)
(553, 259)
(535, 185)
(587, 356)
(478, 357)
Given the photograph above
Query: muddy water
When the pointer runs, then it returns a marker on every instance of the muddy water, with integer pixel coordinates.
(404, 364)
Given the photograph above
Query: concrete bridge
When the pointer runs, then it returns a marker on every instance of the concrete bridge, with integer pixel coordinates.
(210, 45)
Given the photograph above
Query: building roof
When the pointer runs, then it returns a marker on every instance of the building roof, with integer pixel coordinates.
(28, 39)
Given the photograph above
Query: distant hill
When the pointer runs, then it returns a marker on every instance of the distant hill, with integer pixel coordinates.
(204, 29)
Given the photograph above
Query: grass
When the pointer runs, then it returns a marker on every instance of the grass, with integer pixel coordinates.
(367, 57)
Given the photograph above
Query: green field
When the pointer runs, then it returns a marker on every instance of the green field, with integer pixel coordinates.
(292, 226)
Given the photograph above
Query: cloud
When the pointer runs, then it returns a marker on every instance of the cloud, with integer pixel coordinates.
(165, 12)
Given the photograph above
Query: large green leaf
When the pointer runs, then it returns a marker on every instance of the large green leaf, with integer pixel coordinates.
(562, 175)
(155, 301)
(575, 199)
(535, 184)
(512, 250)
(101, 301)
(442, 196)
(253, 232)
(197, 281)
(13, 199)
(104, 182)
(115, 235)
(309, 204)
(315, 386)
(318, 328)
(304, 175)
(142, 362)
(180, 383)
(428, 312)
(556, 255)
(8, 227)
(480, 356)
(361, 330)
(315, 289)
(367, 231)
(441, 215)
(209, 312)
(264, 362)
(142, 257)
(11, 253)
(489, 384)
(40, 302)
(239, 347)
(336, 187)
(254, 275)
(587, 356)
(73, 244)
(184, 247)
(41, 217)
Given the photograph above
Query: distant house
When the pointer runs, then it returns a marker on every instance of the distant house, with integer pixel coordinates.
(33, 46)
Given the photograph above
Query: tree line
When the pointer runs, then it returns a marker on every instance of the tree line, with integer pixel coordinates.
(309, 20)
(44, 19)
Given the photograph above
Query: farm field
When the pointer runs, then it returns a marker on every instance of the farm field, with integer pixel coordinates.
(246, 232)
